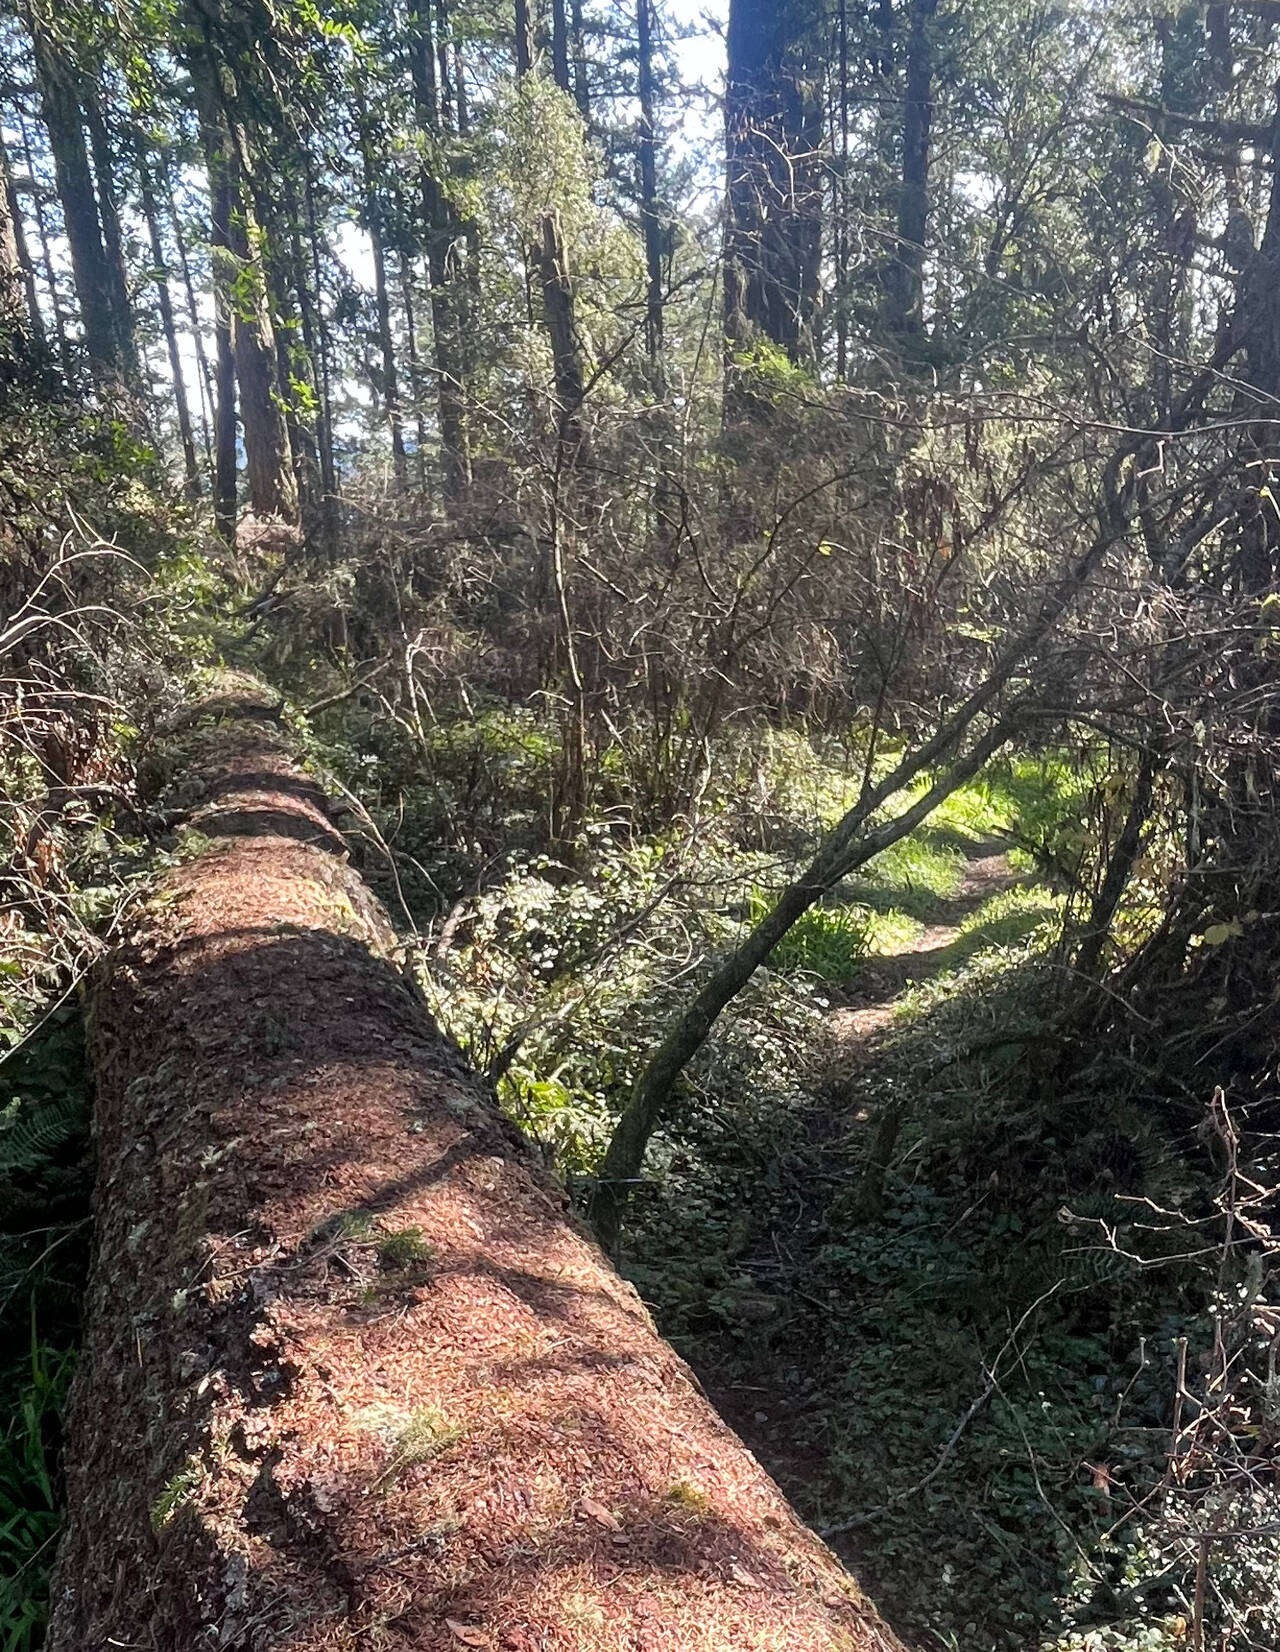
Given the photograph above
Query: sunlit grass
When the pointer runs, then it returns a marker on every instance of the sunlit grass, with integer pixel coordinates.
(828, 942)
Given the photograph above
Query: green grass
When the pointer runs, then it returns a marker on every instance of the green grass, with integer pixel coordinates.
(914, 874)
(30, 1500)
(425, 1434)
(891, 932)
(883, 907)
(828, 942)
(1009, 916)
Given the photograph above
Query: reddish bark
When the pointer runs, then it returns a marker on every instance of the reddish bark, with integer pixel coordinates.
(352, 1376)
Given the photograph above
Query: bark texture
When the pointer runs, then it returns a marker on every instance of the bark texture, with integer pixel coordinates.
(14, 315)
(904, 284)
(773, 141)
(62, 117)
(352, 1377)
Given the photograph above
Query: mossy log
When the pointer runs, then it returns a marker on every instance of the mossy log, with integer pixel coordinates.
(353, 1377)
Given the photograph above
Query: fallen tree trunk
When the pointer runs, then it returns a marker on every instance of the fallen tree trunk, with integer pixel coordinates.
(352, 1378)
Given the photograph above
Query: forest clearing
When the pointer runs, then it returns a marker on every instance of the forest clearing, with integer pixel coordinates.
(639, 853)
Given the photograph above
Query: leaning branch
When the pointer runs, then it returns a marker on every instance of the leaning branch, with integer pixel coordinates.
(854, 841)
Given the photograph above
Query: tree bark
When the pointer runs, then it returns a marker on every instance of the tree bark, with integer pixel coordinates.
(204, 374)
(448, 122)
(651, 222)
(556, 281)
(16, 294)
(447, 248)
(578, 52)
(415, 367)
(560, 47)
(841, 294)
(382, 300)
(904, 300)
(62, 117)
(102, 149)
(217, 160)
(46, 257)
(273, 488)
(319, 343)
(773, 136)
(241, 289)
(550, 257)
(523, 38)
(350, 1373)
(18, 298)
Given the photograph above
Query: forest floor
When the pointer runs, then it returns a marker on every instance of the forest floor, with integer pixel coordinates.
(875, 997)
(858, 1075)
(931, 1382)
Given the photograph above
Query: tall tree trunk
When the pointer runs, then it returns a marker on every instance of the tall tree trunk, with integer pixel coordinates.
(215, 137)
(904, 282)
(578, 52)
(90, 272)
(556, 281)
(415, 366)
(382, 299)
(446, 238)
(1258, 328)
(298, 395)
(560, 47)
(647, 151)
(104, 156)
(523, 38)
(17, 313)
(46, 257)
(217, 145)
(842, 194)
(550, 257)
(204, 375)
(461, 101)
(160, 277)
(773, 137)
(241, 286)
(443, 42)
(273, 488)
(319, 343)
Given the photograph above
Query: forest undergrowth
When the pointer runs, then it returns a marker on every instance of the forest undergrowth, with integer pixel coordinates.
(780, 578)
(962, 1385)
(966, 1383)
(901, 1265)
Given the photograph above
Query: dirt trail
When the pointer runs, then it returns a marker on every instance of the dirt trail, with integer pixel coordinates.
(872, 999)
(787, 1391)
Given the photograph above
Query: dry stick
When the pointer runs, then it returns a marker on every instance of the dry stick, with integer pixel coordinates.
(371, 826)
(342, 694)
(1197, 1612)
